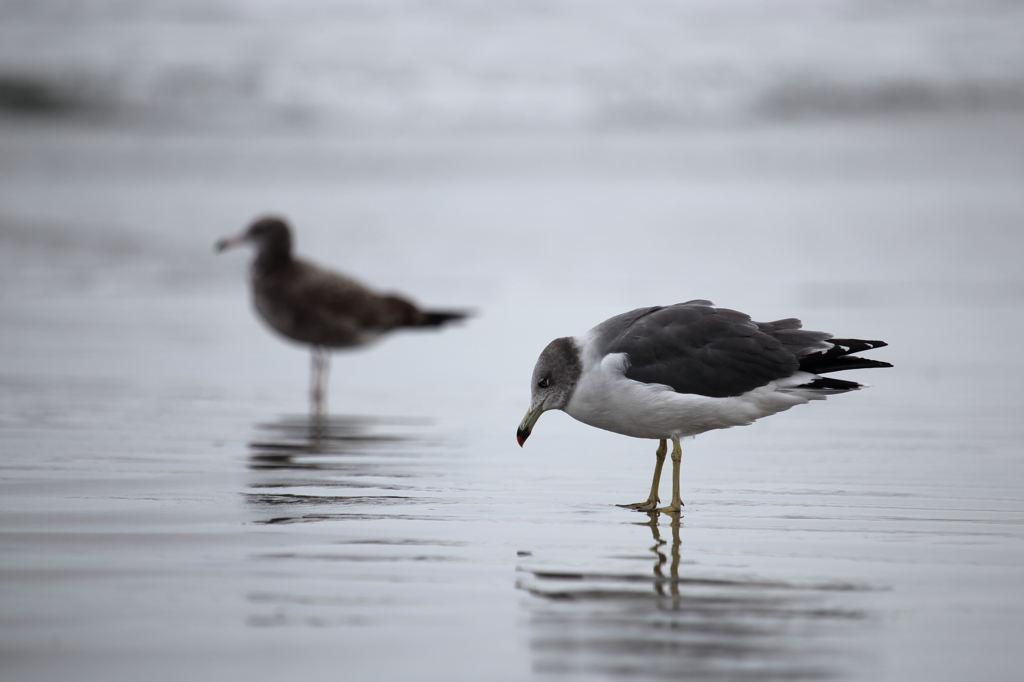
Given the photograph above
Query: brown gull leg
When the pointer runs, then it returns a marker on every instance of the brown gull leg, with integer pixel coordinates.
(319, 371)
(652, 500)
(676, 505)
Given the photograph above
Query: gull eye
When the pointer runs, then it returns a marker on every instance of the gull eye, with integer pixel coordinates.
(543, 383)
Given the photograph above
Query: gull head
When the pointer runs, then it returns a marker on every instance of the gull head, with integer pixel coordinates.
(270, 234)
(555, 377)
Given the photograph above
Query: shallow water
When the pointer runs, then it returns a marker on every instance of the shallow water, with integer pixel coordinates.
(169, 510)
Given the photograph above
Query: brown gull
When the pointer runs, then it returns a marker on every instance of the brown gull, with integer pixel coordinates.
(676, 371)
(310, 304)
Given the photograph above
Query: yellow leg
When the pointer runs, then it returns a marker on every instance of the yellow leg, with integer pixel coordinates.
(652, 500)
(676, 505)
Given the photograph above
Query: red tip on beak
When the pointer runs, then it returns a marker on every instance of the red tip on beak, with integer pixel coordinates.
(521, 436)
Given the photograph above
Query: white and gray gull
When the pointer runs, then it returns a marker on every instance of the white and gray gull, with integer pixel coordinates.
(318, 307)
(669, 372)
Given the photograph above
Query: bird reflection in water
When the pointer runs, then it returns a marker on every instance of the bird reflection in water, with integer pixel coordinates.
(667, 624)
(316, 441)
(659, 566)
(308, 462)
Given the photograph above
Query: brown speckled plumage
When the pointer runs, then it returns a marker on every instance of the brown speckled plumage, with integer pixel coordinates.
(325, 309)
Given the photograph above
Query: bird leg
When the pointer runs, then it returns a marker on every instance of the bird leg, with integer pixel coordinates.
(652, 500)
(319, 371)
(676, 505)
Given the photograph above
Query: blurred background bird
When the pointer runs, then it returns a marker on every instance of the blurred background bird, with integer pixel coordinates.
(324, 309)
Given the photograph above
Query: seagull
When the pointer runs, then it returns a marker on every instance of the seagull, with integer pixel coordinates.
(310, 304)
(668, 372)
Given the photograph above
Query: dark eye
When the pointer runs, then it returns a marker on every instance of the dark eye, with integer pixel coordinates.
(543, 383)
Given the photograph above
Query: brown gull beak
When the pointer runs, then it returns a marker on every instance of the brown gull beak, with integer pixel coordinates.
(230, 242)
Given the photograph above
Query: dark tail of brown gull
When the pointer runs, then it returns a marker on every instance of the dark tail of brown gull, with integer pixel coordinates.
(435, 318)
(411, 316)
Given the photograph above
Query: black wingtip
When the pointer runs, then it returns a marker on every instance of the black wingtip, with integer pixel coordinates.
(849, 346)
(840, 357)
(830, 385)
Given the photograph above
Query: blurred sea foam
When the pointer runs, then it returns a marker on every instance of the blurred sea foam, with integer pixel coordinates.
(417, 66)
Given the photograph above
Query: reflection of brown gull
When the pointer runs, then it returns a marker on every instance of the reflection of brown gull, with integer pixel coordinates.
(323, 442)
(324, 309)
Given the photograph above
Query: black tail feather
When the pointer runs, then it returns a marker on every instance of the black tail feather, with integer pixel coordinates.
(838, 358)
(435, 318)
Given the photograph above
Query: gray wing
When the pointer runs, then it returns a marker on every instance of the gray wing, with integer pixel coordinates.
(697, 348)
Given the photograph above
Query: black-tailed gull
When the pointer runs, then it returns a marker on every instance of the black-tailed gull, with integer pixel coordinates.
(325, 309)
(669, 372)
